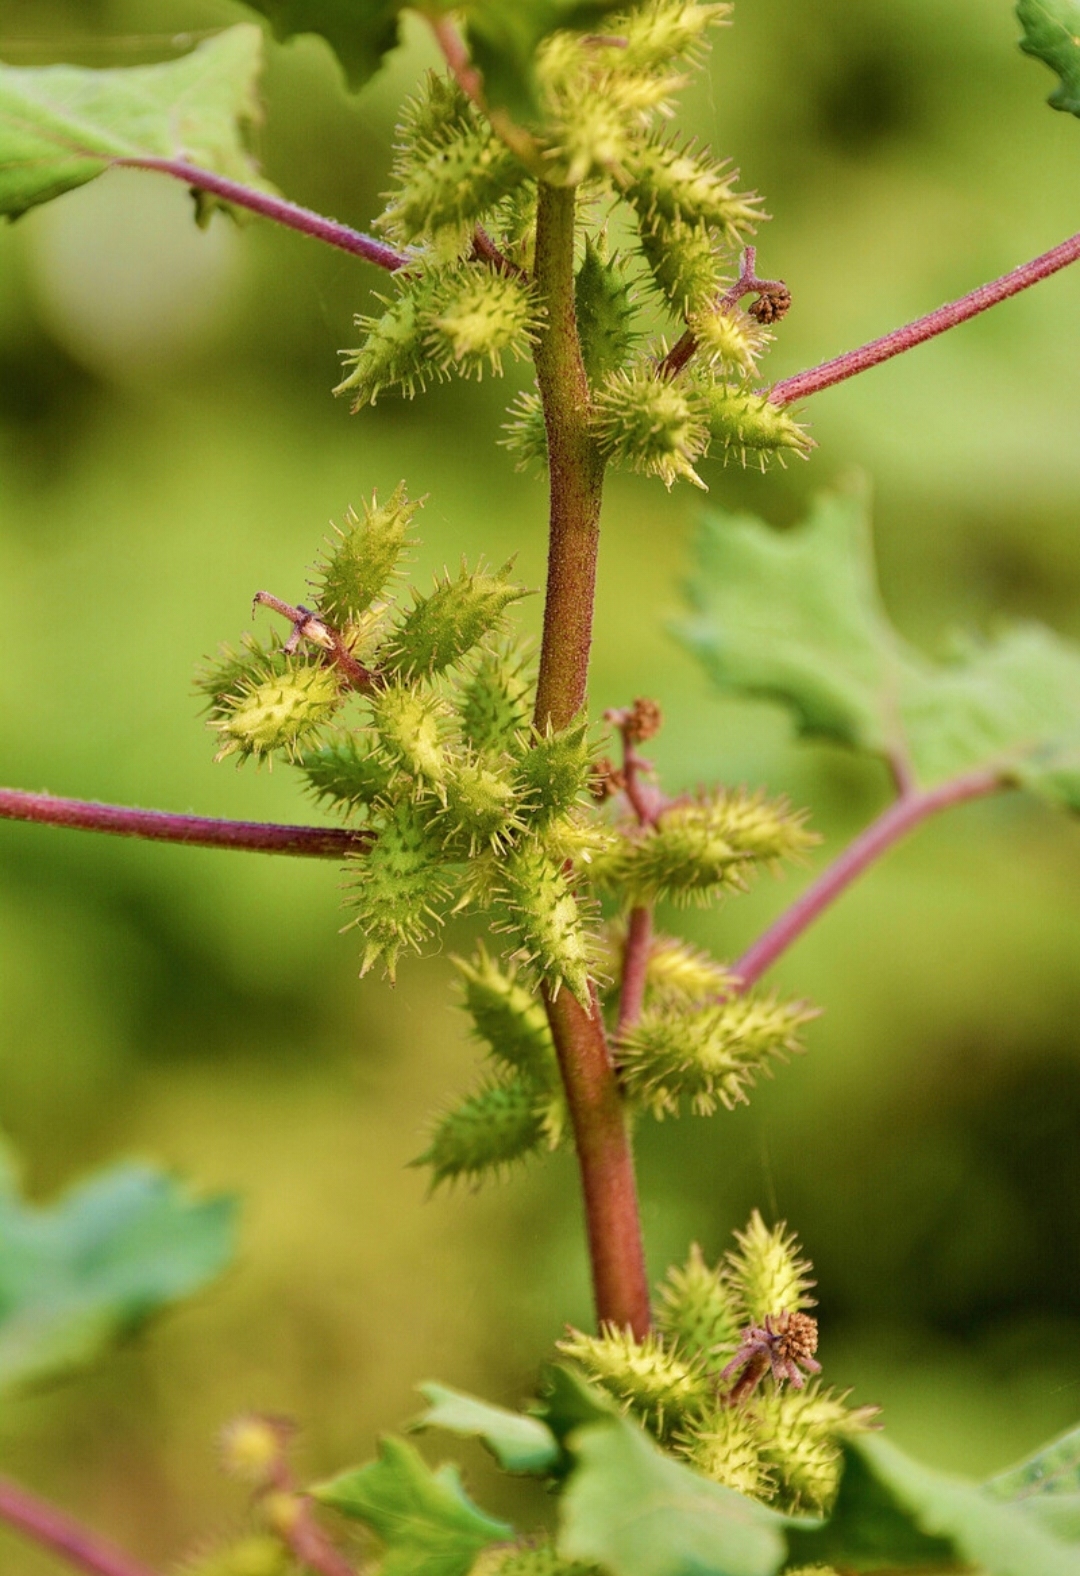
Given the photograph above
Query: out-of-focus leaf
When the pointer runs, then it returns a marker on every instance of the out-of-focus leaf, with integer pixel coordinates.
(1047, 1486)
(425, 1519)
(893, 1512)
(518, 1443)
(796, 617)
(1052, 33)
(84, 1272)
(568, 1401)
(636, 1512)
(60, 126)
(360, 32)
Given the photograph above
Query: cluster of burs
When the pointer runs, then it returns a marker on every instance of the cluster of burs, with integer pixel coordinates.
(456, 310)
(415, 721)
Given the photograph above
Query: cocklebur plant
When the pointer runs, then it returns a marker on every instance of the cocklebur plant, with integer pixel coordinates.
(542, 208)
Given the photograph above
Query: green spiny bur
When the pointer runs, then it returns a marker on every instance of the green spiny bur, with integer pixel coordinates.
(676, 185)
(282, 710)
(500, 1122)
(663, 31)
(397, 891)
(682, 262)
(678, 973)
(346, 770)
(708, 1056)
(479, 315)
(546, 919)
(410, 723)
(798, 1431)
(697, 1311)
(394, 353)
(508, 1018)
(554, 773)
(696, 848)
(726, 1447)
(363, 558)
(741, 420)
(481, 805)
(528, 1559)
(729, 340)
(657, 1385)
(605, 313)
(526, 431)
(766, 1272)
(588, 123)
(652, 425)
(449, 167)
(225, 678)
(444, 626)
(495, 702)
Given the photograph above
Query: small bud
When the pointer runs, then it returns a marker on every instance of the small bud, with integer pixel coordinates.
(281, 1511)
(772, 305)
(252, 1448)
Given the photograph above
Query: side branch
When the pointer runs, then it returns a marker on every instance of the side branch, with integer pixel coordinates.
(279, 209)
(896, 822)
(51, 1529)
(788, 390)
(159, 826)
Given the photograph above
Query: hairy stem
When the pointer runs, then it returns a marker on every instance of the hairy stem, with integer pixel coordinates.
(609, 1187)
(576, 471)
(43, 1524)
(634, 970)
(902, 816)
(159, 826)
(281, 211)
(854, 361)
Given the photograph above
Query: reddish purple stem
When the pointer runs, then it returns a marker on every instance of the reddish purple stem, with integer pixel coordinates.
(788, 390)
(50, 1528)
(896, 822)
(281, 211)
(159, 826)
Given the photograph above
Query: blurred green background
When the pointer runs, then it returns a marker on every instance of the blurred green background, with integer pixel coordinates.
(168, 445)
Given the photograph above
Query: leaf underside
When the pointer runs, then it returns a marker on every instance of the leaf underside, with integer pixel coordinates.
(796, 618)
(60, 126)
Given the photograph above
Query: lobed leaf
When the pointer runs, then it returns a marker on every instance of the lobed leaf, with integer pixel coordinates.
(60, 126)
(80, 1274)
(425, 1519)
(518, 1443)
(360, 32)
(893, 1511)
(1052, 34)
(797, 618)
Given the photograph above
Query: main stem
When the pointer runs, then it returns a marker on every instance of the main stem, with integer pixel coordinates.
(609, 1187)
(51, 1529)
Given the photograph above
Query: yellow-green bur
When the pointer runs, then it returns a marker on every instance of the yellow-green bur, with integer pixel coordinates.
(347, 771)
(682, 261)
(409, 724)
(546, 918)
(766, 1271)
(697, 1311)
(605, 314)
(444, 626)
(279, 712)
(397, 890)
(529, 1559)
(659, 1386)
(494, 703)
(652, 425)
(554, 773)
(727, 1448)
(363, 558)
(498, 1123)
(677, 184)
(740, 419)
(509, 1019)
(478, 316)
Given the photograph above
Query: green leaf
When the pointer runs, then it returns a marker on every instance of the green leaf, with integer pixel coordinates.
(518, 1443)
(425, 1519)
(796, 617)
(360, 32)
(60, 126)
(892, 1510)
(1052, 34)
(1047, 1486)
(637, 1512)
(77, 1275)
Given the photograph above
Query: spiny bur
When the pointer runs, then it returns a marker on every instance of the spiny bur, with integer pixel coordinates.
(655, 1383)
(347, 770)
(679, 184)
(546, 918)
(708, 1056)
(767, 1273)
(605, 312)
(697, 1310)
(280, 709)
(495, 701)
(742, 421)
(363, 558)
(651, 425)
(444, 626)
(539, 1558)
(727, 1448)
(502, 1121)
(507, 1017)
(398, 892)
(553, 773)
(410, 723)
(677, 973)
